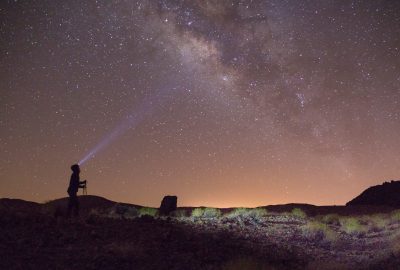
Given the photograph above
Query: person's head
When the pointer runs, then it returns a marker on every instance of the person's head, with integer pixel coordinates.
(75, 168)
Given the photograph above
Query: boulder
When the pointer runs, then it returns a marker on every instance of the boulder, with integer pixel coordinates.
(168, 205)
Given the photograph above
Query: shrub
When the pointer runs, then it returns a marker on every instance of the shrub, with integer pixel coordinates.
(131, 212)
(317, 228)
(240, 211)
(376, 222)
(297, 212)
(108, 213)
(333, 219)
(149, 211)
(206, 212)
(211, 213)
(395, 215)
(198, 212)
(179, 213)
(125, 211)
(258, 212)
(120, 209)
(247, 212)
(351, 225)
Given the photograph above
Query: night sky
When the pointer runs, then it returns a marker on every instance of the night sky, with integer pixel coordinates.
(222, 103)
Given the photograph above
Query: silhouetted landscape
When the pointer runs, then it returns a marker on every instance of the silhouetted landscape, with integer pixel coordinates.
(385, 194)
(110, 235)
(209, 135)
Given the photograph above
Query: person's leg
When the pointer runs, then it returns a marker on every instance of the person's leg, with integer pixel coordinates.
(70, 205)
(76, 206)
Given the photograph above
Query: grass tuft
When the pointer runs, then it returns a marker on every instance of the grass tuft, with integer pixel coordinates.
(317, 228)
(179, 213)
(395, 215)
(197, 212)
(149, 211)
(332, 219)
(297, 212)
(247, 212)
(351, 225)
(376, 222)
(206, 212)
(125, 211)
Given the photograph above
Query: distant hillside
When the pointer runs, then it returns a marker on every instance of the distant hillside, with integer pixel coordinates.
(90, 202)
(87, 203)
(387, 194)
(17, 205)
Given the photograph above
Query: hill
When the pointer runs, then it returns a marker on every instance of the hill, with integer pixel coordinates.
(387, 194)
(17, 205)
(86, 204)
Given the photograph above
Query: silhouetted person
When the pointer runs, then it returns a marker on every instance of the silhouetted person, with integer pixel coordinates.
(74, 185)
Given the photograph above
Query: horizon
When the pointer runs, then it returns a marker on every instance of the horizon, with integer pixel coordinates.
(178, 204)
(239, 103)
(183, 206)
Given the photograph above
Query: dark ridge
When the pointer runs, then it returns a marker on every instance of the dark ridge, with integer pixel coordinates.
(387, 194)
(18, 205)
(89, 201)
(59, 206)
(86, 202)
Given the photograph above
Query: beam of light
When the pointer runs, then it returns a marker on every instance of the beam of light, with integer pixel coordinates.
(149, 106)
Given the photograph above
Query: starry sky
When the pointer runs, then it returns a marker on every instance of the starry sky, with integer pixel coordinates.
(222, 103)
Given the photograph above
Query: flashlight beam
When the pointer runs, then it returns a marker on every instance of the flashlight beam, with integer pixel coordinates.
(147, 107)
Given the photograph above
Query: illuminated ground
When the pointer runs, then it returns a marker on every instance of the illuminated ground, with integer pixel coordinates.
(119, 236)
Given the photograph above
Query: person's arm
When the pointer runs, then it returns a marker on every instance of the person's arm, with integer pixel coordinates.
(82, 184)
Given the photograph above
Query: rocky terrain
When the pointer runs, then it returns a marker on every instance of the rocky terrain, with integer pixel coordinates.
(111, 235)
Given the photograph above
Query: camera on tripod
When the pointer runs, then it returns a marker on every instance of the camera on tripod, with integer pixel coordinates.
(84, 187)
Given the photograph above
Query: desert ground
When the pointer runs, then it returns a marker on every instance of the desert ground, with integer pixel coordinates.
(110, 235)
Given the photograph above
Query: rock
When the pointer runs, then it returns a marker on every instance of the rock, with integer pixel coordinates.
(168, 205)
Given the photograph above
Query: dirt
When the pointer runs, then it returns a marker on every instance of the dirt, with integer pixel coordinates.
(36, 241)
(34, 238)
(358, 250)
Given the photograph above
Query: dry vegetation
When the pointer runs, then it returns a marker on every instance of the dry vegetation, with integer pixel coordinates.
(135, 237)
(346, 241)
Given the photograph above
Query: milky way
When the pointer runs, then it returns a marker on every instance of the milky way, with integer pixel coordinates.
(249, 102)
